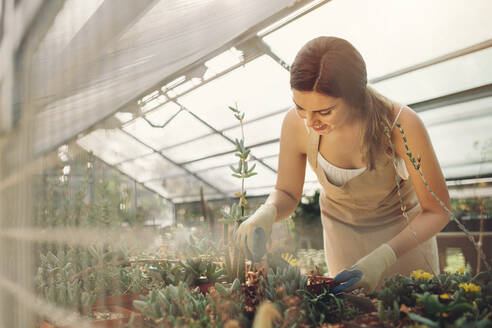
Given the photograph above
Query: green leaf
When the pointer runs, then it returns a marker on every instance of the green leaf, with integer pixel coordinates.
(431, 303)
(234, 169)
(237, 175)
(425, 321)
(235, 285)
(140, 305)
(221, 289)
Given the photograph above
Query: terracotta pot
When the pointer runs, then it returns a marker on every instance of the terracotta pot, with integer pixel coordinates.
(108, 323)
(204, 288)
(316, 283)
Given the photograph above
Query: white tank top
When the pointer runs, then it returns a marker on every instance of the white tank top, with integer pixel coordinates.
(339, 176)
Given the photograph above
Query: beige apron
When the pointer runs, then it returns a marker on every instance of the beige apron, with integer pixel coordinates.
(364, 213)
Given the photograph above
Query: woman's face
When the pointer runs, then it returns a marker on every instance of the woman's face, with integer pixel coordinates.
(321, 112)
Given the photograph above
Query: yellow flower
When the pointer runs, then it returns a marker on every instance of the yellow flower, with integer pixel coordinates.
(445, 315)
(470, 287)
(475, 305)
(461, 271)
(445, 296)
(420, 274)
(290, 259)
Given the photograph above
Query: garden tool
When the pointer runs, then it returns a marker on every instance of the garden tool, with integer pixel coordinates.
(253, 234)
(367, 272)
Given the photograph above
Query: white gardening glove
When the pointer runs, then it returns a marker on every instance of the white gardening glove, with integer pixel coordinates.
(253, 234)
(367, 272)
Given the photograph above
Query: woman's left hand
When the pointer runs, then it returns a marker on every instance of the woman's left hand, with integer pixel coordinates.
(367, 272)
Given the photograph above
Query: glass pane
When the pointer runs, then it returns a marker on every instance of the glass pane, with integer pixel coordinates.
(163, 114)
(157, 187)
(184, 186)
(196, 149)
(258, 88)
(272, 162)
(223, 179)
(468, 170)
(259, 131)
(266, 150)
(309, 177)
(112, 146)
(390, 42)
(222, 62)
(473, 70)
(226, 159)
(183, 127)
(178, 188)
(462, 143)
(154, 103)
(456, 112)
(150, 167)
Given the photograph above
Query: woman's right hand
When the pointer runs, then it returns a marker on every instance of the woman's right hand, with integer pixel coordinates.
(253, 234)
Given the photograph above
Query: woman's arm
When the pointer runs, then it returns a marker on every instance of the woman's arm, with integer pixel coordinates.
(433, 217)
(291, 166)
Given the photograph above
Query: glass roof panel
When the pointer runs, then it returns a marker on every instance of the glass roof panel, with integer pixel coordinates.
(464, 149)
(266, 150)
(150, 167)
(154, 103)
(185, 187)
(246, 86)
(474, 70)
(384, 47)
(112, 146)
(207, 163)
(456, 112)
(258, 131)
(310, 175)
(157, 187)
(222, 62)
(272, 162)
(163, 114)
(469, 170)
(223, 179)
(183, 127)
(199, 148)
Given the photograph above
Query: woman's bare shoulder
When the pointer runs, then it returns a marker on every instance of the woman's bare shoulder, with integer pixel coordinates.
(410, 122)
(405, 115)
(294, 129)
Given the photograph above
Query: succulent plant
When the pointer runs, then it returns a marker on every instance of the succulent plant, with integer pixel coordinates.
(284, 282)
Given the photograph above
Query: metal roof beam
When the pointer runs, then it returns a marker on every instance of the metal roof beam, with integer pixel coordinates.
(455, 54)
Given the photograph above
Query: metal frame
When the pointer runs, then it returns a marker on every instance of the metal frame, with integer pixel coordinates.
(253, 47)
(172, 162)
(455, 54)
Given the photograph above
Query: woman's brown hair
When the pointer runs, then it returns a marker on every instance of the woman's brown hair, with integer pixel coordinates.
(332, 66)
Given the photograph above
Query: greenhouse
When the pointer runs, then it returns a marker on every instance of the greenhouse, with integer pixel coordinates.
(164, 163)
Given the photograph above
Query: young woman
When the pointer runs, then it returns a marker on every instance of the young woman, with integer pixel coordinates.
(338, 126)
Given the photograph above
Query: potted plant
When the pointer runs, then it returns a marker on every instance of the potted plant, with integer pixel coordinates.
(202, 273)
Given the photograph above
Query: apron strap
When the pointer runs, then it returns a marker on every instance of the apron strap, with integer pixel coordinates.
(312, 147)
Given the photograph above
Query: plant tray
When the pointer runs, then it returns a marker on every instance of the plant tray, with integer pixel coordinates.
(108, 323)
